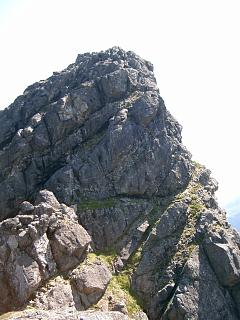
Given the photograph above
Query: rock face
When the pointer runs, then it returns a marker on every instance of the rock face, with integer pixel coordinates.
(98, 129)
(35, 245)
(91, 281)
(103, 209)
(67, 314)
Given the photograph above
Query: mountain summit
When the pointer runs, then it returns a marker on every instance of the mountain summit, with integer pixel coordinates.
(104, 214)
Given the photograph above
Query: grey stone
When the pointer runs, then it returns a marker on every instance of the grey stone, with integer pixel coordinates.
(145, 108)
(225, 260)
(97, 153)
(115, 84)
(33, 246)
(199, 295)
(67, 315)
(236, 296)
(57, 296)
(24, 276)
(69, 244)
(26, 207)
(99, 127)
(47, 197)
(106, 225)
(91, 281)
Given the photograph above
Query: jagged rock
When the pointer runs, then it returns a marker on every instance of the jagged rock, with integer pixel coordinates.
(226, 262)
(67, 315)
(58, 295)
(110, 98)
(159, 247)
(236, 296)
(98, 138)
(224, 256)
(198, 294)
(45, 196)
(23, 276)
(119, 306)
(69, 243)
(107, 224)
(26, 207)
(91, 281)
(35, 245)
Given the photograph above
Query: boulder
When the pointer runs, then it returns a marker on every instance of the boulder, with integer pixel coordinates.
(198, 294)
(91, 281)
(37, 244)
(23, 275)
(70, 243)
(58, 295)
(225, 261)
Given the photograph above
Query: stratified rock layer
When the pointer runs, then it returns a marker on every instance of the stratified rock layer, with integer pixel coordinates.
(140, 234)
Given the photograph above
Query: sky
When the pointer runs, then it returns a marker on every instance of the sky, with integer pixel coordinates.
(194, 46)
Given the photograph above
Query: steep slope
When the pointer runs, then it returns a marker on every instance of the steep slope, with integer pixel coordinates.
(144, 231)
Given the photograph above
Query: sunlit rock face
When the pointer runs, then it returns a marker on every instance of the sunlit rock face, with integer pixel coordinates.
(98, 129)
(104, 215)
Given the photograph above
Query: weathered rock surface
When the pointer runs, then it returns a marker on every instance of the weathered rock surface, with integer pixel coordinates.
(29, 252)
(56, 295)
(67, 314)
(223, 248)
(90, 281)
(98, 129)
(91, 161)
(198, 294)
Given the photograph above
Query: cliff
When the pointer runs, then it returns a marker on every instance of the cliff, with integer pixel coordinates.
(104, 214)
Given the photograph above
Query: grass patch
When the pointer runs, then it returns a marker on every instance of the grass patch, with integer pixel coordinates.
(197, 165)
(196, 208)
(186, 243)
(107, 256)
(134, 259)
(91, 204)
(120, 286)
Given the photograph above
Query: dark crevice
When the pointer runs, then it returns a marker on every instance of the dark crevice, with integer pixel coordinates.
(6, 141)
(173, 291)
(48, 131)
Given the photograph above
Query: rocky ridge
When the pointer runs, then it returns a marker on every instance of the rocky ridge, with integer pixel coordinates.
(104, 214)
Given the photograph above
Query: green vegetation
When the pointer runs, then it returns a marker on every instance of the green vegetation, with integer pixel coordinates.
(179, 197)
(134, 260)
(120, 287)
(106, 256)
(193, 192)
(91, 204)
(196, 208)
(197, 165)
(92, 142)
(186, 242)
(132, 98)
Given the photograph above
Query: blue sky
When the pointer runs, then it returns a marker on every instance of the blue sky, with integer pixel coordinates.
(6, 6)
(233, 209)
(194, 46)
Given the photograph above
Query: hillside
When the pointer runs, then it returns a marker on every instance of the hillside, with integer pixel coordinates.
(104, 214)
